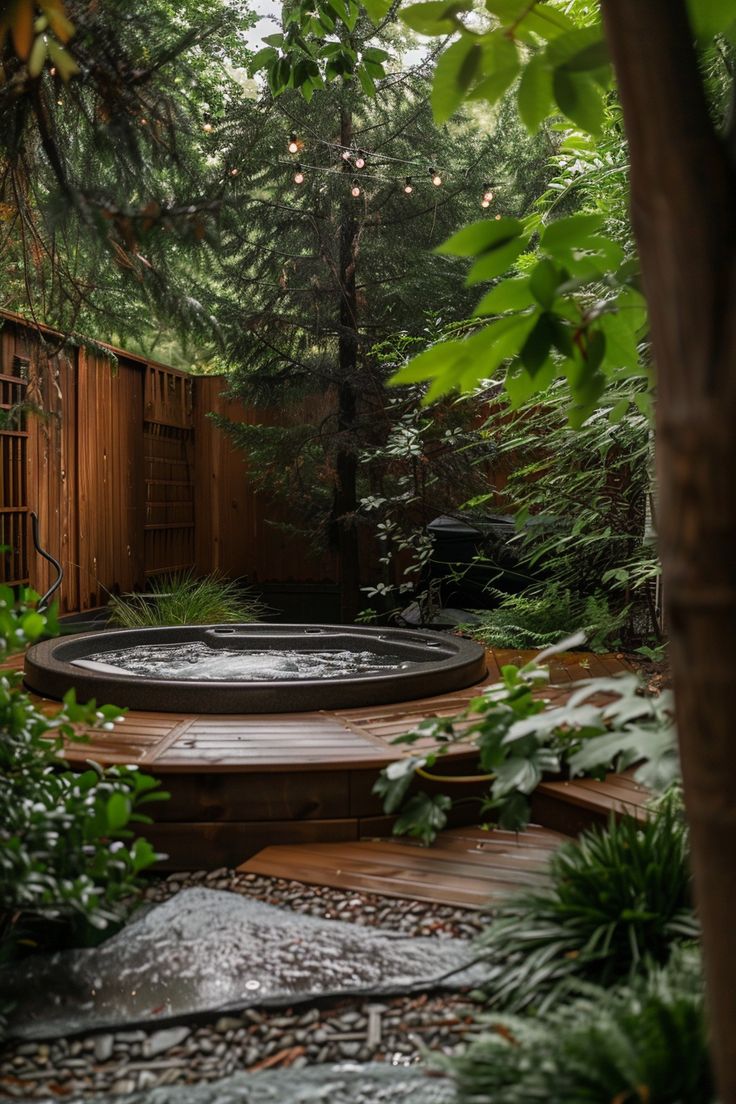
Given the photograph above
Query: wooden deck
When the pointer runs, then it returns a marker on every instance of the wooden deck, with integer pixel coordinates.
(241, 783)
(473, 867)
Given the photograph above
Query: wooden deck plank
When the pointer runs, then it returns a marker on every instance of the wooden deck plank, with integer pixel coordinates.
(457, 870)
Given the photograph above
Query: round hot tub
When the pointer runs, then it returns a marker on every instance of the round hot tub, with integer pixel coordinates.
(253, 668)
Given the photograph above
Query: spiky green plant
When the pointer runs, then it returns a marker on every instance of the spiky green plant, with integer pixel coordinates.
(644, 1042)
(186, 600)
(617, 896)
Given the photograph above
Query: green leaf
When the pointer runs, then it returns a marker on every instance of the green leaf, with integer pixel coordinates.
(33, 624)
(580, 50)
(262, 59)
(535, 96)
(453, 75)
(366, 81)
(429, 363)
(118, 811)
(496, 262)
(481, 236)
(510, 295)
(501, 64)
(435, 17)
(377, 9)
(520, 386)
(530, 19)
(372, 53)
(712, 17)
(544, 281)
(580, 98)
(423, 817)
(536, 348)
(573, 231)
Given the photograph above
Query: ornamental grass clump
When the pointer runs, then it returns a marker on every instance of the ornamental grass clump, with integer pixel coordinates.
(618, 897)
(186, 599)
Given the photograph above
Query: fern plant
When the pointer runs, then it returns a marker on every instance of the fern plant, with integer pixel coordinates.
(618, 896)
(644, 1042)
(538, 619)
(186, 600)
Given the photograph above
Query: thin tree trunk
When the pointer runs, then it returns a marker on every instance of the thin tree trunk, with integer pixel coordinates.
(346, 462)
(683, 196)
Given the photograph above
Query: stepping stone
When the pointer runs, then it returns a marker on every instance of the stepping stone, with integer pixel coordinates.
(348, 1083)
(205, 951)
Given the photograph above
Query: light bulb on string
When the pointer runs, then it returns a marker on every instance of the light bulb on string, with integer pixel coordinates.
(293, 144)
(234, 172)
(355, 190)
(346, 155)
(498, 218)
(408, 186)
(487, 198)
(298, 175)
(207, 125)
(360, 160)
(436, 178)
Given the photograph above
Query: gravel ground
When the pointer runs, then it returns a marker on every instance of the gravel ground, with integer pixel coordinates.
(399, 1030)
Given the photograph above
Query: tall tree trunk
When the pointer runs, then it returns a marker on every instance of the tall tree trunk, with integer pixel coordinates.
(346, 462)
(683, 196)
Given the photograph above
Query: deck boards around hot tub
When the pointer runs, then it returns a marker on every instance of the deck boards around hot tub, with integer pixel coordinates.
(302, 741)
(239, 783)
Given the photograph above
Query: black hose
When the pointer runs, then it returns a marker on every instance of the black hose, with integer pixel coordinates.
(44, 600)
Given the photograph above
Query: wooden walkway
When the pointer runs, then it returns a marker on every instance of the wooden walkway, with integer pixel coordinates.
(239, 783)
(465, 866)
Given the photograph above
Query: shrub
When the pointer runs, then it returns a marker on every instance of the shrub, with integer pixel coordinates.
(618, 897)
(537, 620)
(186, 600)
(67, 868)
(642, 1043)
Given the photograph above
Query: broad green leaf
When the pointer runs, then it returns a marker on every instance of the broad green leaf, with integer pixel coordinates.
(372, 53)
(118, 811)
(712, 17)
(377, 9)
(496, 262)
(510, 295)
(530, 19)
(366, 81)
(535, 96)
(262, 58)
(573, 231)
(454, 73)
(428, 364)
(580, 50)
(501, 66)
(520, 386)
(544, 281)
(33, 624)
(621, 343)
(580, 98)
(435, 17)
(536, 349)
(478, 237)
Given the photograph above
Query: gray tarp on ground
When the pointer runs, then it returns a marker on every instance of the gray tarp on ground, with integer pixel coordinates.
(204, 951)
(344, 1084)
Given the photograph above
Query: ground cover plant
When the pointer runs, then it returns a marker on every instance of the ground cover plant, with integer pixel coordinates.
(186, 599)
(540, 618)
(69, 867)
(641, 1042)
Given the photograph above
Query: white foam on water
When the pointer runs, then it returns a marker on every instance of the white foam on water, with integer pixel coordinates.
(195, 660)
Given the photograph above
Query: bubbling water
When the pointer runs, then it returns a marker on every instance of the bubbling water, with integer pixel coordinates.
(197, 661)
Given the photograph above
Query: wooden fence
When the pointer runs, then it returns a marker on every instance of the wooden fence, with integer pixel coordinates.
(128, 474)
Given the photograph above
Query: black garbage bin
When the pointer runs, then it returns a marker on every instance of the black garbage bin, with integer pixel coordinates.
(475, 556)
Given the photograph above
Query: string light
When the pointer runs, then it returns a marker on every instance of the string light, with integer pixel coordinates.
(360, 160)
(298, 175)
(487, 196)
(207, 124)
(355, 190)
(408, 186)
(436, 178)
(293, 143)
(234, 172)
(498, 218)
(346, 155)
